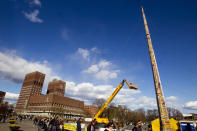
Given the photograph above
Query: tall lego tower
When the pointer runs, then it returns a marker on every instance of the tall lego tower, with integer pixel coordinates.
(163, 113)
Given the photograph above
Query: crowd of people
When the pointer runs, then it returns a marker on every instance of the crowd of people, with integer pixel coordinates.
(57, 124)
(49, 124)
(42, 123)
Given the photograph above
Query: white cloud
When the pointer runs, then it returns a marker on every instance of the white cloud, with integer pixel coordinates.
(14, 68)
(33, 16)
(11, 96)
(89, 92)
(171, 98)
(172, 102)
(102, 71)
(106, 74)
(84, 53)
(175, 105)
(192, 105)
(92, 69)
(143, 102)
(36, 2)
(103, 64)
(94, 49)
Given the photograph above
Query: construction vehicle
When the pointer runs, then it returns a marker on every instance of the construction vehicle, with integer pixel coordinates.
(105, 120)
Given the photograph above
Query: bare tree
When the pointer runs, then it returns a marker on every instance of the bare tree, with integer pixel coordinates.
(99, 102)
(151, 115)
(4, 109)
(124, 116)
(87, 113)
(174, 113)
(57, 111)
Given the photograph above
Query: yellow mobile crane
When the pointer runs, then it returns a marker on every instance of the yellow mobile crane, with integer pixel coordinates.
(105, 120)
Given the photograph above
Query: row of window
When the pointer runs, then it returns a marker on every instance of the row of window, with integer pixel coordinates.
(38, 83)
(55, 105)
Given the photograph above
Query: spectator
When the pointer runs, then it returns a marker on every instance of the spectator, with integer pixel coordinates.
(61, 125)
(138, 126)
(91, 126)
(110, 127)
(21, 118)
(149, 127)
(0, 118)
(4, 118)
(54, 122)
(45, 126)
(188, 127)
(35, 121)
(79, 124)
(40, 125)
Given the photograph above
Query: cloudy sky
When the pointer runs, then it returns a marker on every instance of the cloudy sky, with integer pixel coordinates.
(94, 45)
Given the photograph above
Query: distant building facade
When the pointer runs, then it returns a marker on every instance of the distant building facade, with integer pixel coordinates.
(32, 102)
(2, 96)
(91, 109)
(190, 116)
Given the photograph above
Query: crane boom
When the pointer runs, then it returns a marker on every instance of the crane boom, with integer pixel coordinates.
(131, 86)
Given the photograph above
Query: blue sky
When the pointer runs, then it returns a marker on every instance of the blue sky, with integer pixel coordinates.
(94, 45)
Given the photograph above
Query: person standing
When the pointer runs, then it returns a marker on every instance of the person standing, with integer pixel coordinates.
(4, 118)
(1, 118)
(110, 127)
(91, 126)
(62, 125)
(188, 127)
(79, 124)
(138, 126)
(40, 125)
(55, 124)
(35, 121)
(149, 127)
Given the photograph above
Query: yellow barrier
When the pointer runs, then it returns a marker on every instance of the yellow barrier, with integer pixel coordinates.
(70, 127)
(156, 125)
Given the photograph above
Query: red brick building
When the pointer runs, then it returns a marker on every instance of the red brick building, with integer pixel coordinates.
(56, 87)
(32, 86)
(35, 103)
(91, 109)
(2, 95)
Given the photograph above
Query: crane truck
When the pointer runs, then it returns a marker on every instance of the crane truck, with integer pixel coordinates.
(104, 106)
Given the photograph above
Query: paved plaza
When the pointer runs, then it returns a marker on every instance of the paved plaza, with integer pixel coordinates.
(25, 126)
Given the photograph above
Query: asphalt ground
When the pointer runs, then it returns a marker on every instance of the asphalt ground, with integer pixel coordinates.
(25, 125)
